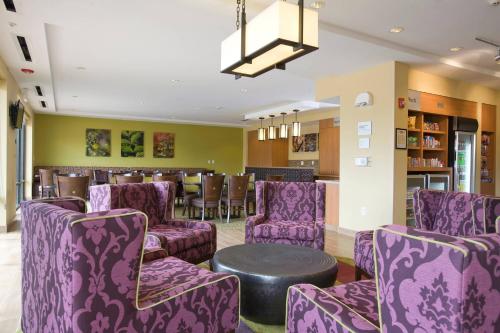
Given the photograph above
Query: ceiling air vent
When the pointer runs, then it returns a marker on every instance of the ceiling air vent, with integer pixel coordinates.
(24, 48)
(9, 5)
(44, 105)
(39, 90)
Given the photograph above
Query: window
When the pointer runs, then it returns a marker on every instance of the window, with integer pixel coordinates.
(20, 163)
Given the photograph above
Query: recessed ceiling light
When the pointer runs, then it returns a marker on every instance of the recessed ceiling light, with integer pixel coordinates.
(456, 49)
(174, 81)
(318, 4)
(397, 30)
(12, 24)
(219, 107)
(243, 90)
(75, 96)
(81, 68)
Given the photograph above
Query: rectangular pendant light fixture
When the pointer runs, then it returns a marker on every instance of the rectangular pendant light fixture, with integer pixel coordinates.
(279, 34)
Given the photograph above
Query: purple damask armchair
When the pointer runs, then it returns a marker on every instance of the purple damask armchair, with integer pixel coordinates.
(85, 273)
(449, 213)
(288, 213)
(424, 282)
(192, 241)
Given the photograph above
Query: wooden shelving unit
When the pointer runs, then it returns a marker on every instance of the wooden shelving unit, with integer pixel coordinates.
(488, 129)
(430, 141)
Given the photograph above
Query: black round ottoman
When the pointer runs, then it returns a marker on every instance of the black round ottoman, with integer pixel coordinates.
(267, 270)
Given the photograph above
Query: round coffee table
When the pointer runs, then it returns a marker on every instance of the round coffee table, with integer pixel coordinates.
(267, 270)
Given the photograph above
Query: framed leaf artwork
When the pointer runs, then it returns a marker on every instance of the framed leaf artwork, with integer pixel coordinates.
(132, 144)
(163, 145)
(98, 142)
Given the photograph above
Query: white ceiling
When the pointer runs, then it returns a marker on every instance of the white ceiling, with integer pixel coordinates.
(133, 49)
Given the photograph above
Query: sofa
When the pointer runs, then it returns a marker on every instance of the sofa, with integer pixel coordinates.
(85, 273)
(288, 213)
(192, 241)
(424, 282)
(449, 213)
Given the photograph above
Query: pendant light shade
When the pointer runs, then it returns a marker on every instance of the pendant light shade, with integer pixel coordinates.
(296, 125)
(272, 129)
(261, 133)
(282, 32)
(283, 128)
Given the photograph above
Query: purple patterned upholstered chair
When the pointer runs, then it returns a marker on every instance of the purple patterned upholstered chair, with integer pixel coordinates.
(449, 213)
(288, 213)
(424, 282)
(85, 273)
(192, 241)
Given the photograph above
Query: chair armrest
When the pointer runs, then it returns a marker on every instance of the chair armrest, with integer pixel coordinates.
(75, 204)
(497, 225)
(415, 269)
(308, 305)
(319, 234)
(154, 253)
(250, 223)
(205, 225)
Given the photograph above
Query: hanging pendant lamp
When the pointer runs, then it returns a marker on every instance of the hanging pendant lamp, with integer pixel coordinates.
(261, 133)
(296, 125)
(283, 128)
(272, 129)
(279, 34)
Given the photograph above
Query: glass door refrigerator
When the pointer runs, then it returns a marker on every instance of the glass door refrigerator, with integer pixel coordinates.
(414, 182)
(463, 153)
(438, 182)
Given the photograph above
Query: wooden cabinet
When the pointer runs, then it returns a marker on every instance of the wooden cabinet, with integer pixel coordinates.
(447, 106)
(488, 118)
(269, 153)
(329, 148)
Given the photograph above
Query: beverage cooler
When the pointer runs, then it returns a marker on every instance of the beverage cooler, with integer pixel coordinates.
(462, 152)
(414, 182)
(437, 182)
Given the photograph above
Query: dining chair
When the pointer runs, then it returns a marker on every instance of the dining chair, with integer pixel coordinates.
(90, 173)
(73, 186)
(251, 197)
(212, 187)
(101, 176)
(191, 183)
(47, 186)
(275, 178)
(236, 195)
(159, 177)
(124, 179)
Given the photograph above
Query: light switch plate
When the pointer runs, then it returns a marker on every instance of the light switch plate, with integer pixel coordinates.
(361, 161)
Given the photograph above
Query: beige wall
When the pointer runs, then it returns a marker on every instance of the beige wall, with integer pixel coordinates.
(9, 92)
(421, 81)
(367, 193)
(303, 117)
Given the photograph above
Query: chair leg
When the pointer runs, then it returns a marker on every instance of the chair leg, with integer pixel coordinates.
(357, 273)
(245, 209)
(203, 213)
(228, 214)
(220, 212)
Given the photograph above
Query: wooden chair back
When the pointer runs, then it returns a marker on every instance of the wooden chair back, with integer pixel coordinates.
(237, 187)
(212, 187)
(122, 179)
(76, 186)
(164, 178)
(275, 178)
(46, 177)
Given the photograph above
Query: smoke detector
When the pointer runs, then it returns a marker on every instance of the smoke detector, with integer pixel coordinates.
(494, 2)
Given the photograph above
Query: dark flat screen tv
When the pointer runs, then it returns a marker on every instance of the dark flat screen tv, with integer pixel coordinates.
(16, 113)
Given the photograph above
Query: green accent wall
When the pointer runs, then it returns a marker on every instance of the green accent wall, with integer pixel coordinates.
(60, 141)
